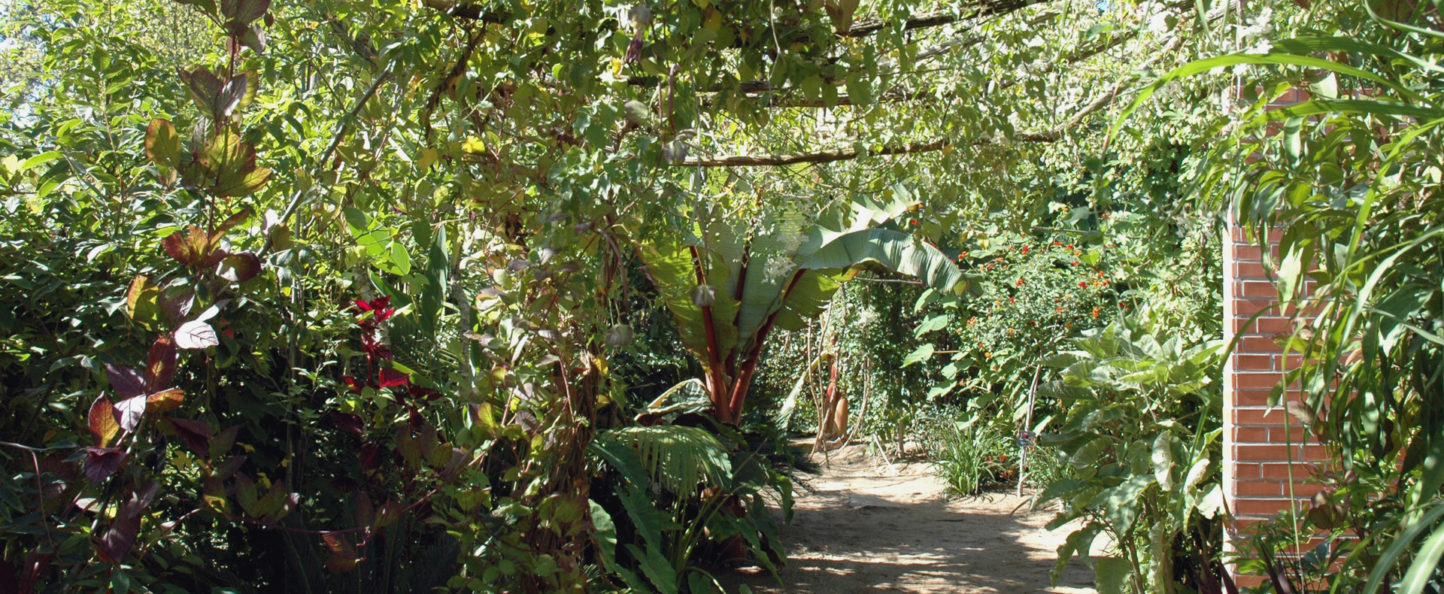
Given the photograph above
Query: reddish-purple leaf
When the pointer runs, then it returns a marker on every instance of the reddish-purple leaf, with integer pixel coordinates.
(239, 267)
(125, 381)
(115, 544)
(390, 377)
(245, 11)
(9, 582)
(195, 434)
(165, 400)
(230, 222)
(160, 364)
(118, 539)
(224, 470)
(352, 384)
(189, 247)
(103, 422)
(343, 553)
(224, 440)
(176, 304)
(369, 456)
(348, 422)
(196, 335)
(100, 463)
(204, 87)
(128, 412)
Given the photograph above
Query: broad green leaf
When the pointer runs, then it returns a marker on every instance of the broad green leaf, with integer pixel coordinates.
(1113, 575)
(923, 353)
(931, 324)
(162, 145)
(39, 160)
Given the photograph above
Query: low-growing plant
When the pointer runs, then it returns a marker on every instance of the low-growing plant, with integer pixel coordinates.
(971, 455)
(1139, 421)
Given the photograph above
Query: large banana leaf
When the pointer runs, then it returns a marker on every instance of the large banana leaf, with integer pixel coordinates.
(673, 268)
(787, 267)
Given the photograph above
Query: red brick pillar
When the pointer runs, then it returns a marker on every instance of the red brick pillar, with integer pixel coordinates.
(1262, 445)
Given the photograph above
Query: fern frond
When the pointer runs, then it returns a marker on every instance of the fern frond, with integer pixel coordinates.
(677, 457)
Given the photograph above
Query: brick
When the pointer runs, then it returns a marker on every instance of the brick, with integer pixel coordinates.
(1272, 417)
(1258, 488)
(1257, 344)
(1271, 325)
(1250, 434)
(1240, 234)
(1314, 451)
(1253, 381)
(1249, 308)
(1255, 288)
(1289, 434)
(1252, 398)
(1250, 271)
(1246, 362)
(1265, 452)
(1246, 470)
(1280, 470)
(1245, 251)
(1259, 507)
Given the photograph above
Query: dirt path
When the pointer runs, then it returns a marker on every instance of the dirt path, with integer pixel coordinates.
(860, 526)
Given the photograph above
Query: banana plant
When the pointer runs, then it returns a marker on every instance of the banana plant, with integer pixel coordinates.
(730, 281)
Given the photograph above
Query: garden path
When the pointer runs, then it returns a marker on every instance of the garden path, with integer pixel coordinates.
(863, 525)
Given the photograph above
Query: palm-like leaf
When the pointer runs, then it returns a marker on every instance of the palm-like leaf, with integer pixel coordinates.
(778, 271)
(677, 457)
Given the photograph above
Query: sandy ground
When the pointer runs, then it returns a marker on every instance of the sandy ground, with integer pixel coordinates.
(861, 525)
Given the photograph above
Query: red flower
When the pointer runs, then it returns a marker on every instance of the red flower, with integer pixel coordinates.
(380, 309)
(1025, 250)
(1020, 282)
(1057, 244)
(1075, 262)
(913, 222)
(351, 383)
(1082, 284)
(390, 377)
(1012, 300)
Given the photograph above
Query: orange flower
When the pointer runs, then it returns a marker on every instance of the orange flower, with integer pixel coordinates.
(1095, 312)
(1059, 309)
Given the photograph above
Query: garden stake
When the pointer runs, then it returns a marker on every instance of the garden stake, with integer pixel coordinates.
(1025, 437)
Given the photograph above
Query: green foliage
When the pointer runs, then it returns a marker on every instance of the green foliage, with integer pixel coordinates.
(1139, 424)
(1029, 296)
(972, 455)
(688, 495)
(727, 281)
(1352, 179)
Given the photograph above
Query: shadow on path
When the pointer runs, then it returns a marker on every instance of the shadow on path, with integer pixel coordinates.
(857, 529)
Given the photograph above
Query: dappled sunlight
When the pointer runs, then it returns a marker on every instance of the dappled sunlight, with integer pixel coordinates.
(862, 526)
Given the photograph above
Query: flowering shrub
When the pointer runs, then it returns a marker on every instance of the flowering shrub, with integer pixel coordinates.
(1030, 295)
